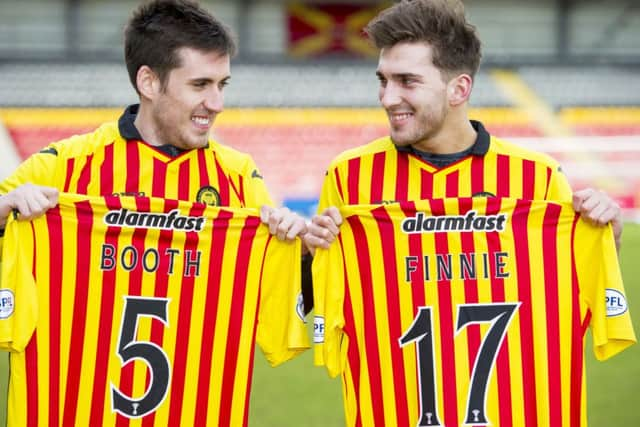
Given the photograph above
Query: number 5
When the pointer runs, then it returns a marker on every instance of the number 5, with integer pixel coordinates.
(420, 331)
(153, 355)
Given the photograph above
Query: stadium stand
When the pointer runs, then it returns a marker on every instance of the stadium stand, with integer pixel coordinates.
(294, 116)
(293, 147)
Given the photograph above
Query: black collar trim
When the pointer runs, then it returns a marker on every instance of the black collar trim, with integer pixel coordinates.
(129, 131)
(126, 127)
(479, 148)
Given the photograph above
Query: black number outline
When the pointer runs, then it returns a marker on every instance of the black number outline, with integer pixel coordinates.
(500, 316)
(150, 353)
(421, 332)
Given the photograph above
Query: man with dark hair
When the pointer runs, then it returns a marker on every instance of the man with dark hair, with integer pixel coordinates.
(429, 55)
(417, 322)
(178, 58)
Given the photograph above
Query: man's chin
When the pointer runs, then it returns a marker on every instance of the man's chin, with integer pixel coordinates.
(398, 141)
(193, 145)
(200, 141)
(200, 144)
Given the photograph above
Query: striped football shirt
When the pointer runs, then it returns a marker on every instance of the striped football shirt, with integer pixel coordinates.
(380, 172)
(469, 311)
(135, 311)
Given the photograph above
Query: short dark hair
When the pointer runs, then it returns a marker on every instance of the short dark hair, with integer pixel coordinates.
(159, 28)
(440, 23)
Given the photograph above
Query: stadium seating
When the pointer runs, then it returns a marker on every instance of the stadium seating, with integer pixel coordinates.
(295, 119)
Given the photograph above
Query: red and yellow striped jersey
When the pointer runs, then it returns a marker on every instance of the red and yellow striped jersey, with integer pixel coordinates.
(381, 173)
(105, 162)
(469, 311)
(134, 311)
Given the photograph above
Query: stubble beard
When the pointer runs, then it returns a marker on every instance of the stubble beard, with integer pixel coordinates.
(173, 133)
(428, 125)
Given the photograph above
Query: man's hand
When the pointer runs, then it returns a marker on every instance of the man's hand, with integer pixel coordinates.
(598, 208)
(323, 229)
(283, 223)
(29, 200)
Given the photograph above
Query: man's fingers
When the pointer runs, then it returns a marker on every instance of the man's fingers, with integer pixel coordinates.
(265, 213)
(283, 223)
(35, 203)
(595, 206)
(586, 202)
(327, 223)
(594, 213)
(313, 242)
(608, 214)
(22, 206)
(277, 217)
(283, 227)
(44, 201)
(32, 200)
(50, 193)
(323, 232)
(579, 197)
(297, 228)
(334, 213)
(323, 229)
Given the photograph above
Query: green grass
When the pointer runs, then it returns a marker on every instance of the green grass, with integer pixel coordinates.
(294, 394)
(299, 394)
(613, 385)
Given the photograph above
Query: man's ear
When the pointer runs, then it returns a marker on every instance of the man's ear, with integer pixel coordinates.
(459, 89)
(147, 82)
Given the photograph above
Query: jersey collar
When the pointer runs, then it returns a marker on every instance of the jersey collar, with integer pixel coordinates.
(479, 148)
(125, 124)
(129, 131)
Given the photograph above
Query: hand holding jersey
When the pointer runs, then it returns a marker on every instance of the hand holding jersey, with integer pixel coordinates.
(599, 209)
(322, 229)
(28, 200)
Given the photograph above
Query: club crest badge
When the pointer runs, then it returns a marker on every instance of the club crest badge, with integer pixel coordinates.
(209, 196)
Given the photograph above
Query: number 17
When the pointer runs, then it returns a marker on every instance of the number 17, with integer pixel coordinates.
(421, 332)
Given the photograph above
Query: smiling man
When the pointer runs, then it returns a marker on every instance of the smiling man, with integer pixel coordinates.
(178, 59)
(393, 278)
(429, 56)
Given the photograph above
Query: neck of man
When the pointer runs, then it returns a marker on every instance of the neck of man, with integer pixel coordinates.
(144, 123)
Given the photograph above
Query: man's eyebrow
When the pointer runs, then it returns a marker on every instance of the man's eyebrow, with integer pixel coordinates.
(201, 80)
(397, 76)
(208, 80)
(405, 75)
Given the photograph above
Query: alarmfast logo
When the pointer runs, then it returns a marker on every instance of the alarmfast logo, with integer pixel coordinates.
(164, 221)
(471, 221)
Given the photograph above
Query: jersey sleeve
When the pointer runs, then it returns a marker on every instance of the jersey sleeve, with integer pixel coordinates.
(282, 333)
(330, 193)
(603, 290)
(256, 191)
(559, 188)
(18, 297)
(330, 343)
(38, 169)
